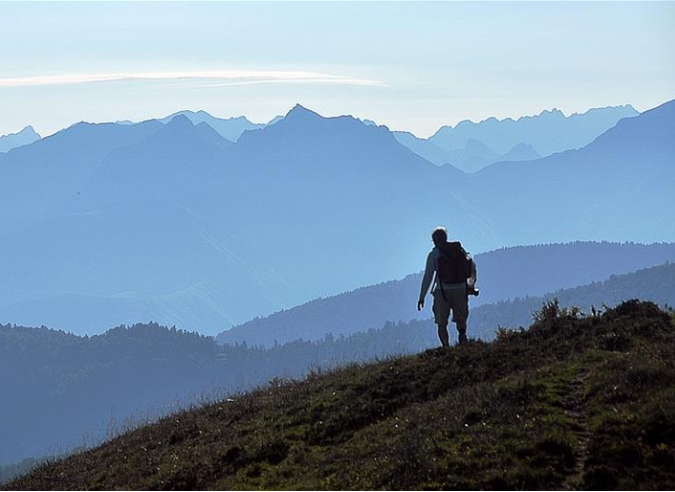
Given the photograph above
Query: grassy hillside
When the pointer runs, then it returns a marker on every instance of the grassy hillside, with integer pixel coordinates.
(59, 391)
(68, 391)
(570, 403)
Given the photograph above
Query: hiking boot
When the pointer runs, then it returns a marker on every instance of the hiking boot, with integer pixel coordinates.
(462, 338)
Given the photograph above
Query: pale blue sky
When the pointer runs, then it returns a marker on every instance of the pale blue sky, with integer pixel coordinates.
(413, 66)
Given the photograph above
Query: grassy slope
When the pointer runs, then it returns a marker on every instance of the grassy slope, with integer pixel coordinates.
(569, 403)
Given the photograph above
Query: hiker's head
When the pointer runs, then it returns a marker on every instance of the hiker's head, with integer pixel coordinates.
(439, 236)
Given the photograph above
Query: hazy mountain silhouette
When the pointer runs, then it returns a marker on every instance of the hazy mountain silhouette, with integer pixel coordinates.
(35, 177)
(230, 128)
(307, 207)
(26, 136)
(317, 178)
(521, 152)
(472, 146)
(423, 147)
(474, 156)
(181, 207)
(598, 191)
(129, 231)
(503, 274)
(548, 132)
(275, 120)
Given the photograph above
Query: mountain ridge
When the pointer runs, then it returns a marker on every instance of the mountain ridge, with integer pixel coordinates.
(472, 146)
(503, 275)
(306, 193)
(26, 136)
(552, 116)
(229, 128)
(183, 198)
(608, 193)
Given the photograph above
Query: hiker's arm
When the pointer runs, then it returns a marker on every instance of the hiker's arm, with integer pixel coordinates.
(426, 280)
(472, 279)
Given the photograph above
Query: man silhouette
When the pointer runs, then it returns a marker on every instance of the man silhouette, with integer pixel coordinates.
(455, 280)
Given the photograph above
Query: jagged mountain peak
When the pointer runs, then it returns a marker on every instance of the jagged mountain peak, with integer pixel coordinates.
(180, 121)
(28, 130)
(202, 115)
(302, 126)
(26, 136)
(229, 128)
(181, 129)
(548, 132)
(298, 122)
(299, 111)
(552, 112)
(521, 152)
(642, 132)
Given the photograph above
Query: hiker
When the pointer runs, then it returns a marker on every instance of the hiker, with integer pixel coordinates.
(455, 281)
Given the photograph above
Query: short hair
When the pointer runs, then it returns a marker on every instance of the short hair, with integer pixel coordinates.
(440, 235)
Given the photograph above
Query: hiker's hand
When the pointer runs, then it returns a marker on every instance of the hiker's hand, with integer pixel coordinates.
(420, 305)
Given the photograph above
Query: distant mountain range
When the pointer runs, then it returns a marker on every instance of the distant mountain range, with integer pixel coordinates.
(175, 223)
(503, 275)
(26, 136)
(172, 209)
(229, 128)
(472, 146)
(471, 158)
(546, 133)
(597, 190)
(468, 146)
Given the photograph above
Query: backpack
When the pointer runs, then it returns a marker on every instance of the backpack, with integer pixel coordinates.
(454, 264)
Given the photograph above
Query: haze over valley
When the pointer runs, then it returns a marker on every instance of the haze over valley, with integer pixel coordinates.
(172, 222)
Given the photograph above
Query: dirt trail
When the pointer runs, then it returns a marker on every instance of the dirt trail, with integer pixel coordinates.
(575, 408)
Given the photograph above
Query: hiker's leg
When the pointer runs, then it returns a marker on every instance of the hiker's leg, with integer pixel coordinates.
(460, 312)
(443, 335)
(441, 314)
(461, 331)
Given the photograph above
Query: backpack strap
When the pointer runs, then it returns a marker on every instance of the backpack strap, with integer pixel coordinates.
(441, 252)
(440, 282)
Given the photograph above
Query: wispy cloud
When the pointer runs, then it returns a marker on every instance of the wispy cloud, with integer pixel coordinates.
(224, 77)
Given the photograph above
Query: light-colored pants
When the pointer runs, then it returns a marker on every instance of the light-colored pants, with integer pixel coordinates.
(457, 300)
